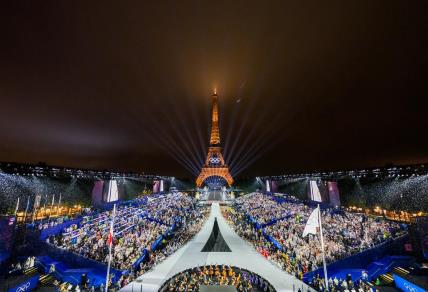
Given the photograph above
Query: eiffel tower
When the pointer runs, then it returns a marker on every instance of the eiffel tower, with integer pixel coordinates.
(214, 169)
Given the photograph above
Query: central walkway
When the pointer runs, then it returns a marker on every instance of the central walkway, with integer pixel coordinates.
(242, 255)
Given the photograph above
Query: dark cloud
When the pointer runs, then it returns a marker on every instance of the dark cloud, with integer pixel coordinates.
(126, 85)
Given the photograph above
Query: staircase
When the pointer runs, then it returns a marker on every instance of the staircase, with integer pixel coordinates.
(48, 283)
(47, 280)
(387, 278)
(400, 271)
(30, 271)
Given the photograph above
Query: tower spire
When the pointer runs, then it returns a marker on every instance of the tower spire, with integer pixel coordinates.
(215, 132)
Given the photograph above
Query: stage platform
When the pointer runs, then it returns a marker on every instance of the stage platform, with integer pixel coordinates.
(242, 255)
(216, 288)
(215, 195)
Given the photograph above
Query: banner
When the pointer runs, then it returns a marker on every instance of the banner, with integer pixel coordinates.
(97, 193)
(37, 201)
(156, 186)
(314, 191)
(162, 187)
(267, 186)
(27, 285)
(113, 192)
(7, 225)
(333, 193)
(274, 186)
(405, 285)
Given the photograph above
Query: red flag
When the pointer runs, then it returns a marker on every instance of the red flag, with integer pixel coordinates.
(110, 237)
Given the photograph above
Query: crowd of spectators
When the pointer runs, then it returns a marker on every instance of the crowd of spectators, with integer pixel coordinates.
(345, 285)
(344, 233)
(45, 223)
(216, 275)
(132, 233)
(190, 225)
(167, 208)
(261, 207)
(137, 226)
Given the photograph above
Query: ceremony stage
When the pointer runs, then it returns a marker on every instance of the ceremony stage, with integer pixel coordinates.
(242, 255)
(215, 195)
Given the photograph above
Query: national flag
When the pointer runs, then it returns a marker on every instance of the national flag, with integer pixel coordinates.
(312, 227)
(313, 223)
(110, 235)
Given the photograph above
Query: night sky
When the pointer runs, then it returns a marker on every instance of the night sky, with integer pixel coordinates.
(126, 85)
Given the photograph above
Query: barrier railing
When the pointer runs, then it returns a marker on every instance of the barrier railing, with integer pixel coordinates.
(54, 230)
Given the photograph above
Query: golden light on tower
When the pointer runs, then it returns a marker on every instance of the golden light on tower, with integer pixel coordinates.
(215, 132)
(214, 164)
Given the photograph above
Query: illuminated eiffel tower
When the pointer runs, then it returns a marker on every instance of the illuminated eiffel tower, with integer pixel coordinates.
(215, 171)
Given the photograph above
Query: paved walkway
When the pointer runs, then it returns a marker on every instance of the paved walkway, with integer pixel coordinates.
(243, 255)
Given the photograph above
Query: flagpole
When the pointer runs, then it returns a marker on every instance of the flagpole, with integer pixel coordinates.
(59, 203)
(26, 209)
(322, 247)
(52, 206)
(110, 239)
(17, 207)
(34, 209)
(16, 212)
(44, 206)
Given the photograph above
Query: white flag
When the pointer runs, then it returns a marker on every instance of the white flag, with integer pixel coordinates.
(313, 223)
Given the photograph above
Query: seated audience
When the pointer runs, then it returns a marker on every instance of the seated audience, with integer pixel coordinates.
(136, 227)
(344, 233)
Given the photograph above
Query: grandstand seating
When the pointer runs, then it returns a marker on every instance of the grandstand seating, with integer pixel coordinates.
(264, 211)
(167, 211)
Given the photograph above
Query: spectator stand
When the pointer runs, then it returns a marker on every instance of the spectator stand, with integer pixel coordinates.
(69, 266)
(157, 244)
(141, 259)
(259, 226)
(375, 261)
(54, 230)
(108, 206)
(155, 220)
